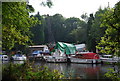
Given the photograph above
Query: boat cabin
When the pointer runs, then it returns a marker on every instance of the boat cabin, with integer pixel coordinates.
(87, 56)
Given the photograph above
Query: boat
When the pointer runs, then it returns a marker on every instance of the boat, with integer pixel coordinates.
(109, 59)
(36, 55)
(58, 56)
(85, 57)
(60, 52)
(59, 59)
(19, 57)
(36, 52)
(4, 57)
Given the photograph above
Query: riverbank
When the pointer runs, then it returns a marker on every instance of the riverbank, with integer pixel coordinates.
(28, 72)
(73, 71)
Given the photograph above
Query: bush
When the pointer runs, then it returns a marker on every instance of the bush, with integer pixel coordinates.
(115, 76)
(29, 72)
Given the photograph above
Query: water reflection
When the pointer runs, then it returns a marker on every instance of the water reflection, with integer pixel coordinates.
(14, 62)
(5, 62)
(18, 62)
(83, 71)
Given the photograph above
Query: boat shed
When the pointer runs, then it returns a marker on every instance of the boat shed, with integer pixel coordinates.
(43, 48)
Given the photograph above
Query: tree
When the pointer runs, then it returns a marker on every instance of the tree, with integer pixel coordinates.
(38, 31)
(70, 24)
(109, 43)
(16, 23)
(58, 30)
(79, 35)
(90, 41)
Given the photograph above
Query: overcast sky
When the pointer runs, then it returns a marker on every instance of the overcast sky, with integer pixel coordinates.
(71, 8)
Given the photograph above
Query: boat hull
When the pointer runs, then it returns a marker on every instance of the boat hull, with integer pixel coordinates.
(86, 61)
(19, 58)
(55, 59)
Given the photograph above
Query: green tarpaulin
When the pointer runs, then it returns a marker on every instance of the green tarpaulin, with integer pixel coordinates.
(66, 48)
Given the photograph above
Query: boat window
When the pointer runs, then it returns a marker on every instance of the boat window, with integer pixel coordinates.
(107, 56)
(5, 57)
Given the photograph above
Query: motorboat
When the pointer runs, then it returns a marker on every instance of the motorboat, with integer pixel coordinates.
(19, 57)
(4, 57)
(36, 55)
(85, 57)
(109, 59)
(60, 59)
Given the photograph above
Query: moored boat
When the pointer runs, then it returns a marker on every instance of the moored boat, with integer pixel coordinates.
(109, 59)
(4, 57)
(19, 57)
(60, 52)
(60, 59)
(85, 57)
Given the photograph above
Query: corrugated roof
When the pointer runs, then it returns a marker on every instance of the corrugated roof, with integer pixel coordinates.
(38, 46)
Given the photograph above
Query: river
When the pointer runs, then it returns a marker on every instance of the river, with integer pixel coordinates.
(82, 71)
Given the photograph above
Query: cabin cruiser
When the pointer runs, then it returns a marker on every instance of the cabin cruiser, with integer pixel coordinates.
(85, 57)
(56, 56)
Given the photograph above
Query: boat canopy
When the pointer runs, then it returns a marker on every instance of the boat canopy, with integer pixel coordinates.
(88, 56)
(80, 47)
(66, 48)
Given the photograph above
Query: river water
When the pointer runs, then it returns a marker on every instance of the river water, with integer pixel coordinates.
(82, 71)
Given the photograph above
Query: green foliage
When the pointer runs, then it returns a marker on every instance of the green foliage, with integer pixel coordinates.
(28, 72)
(90, 40)
(16, 23)
(72, 26)
(71, 30)
(38, 30)
(79, 35)
(57, 27)
(94, 31)
(48, 3)
(113, 75)
(109, 43)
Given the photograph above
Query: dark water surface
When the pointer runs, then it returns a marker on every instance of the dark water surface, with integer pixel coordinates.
(82, 71)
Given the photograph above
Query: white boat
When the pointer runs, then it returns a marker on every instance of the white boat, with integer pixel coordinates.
(4, 57)
(19, 57)
(109, 59)
(56, 56)
(55, 59)
(86, 57)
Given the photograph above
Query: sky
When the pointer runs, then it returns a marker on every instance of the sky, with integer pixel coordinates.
(71, 8)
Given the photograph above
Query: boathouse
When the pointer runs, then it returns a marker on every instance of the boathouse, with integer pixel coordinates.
(43, 48)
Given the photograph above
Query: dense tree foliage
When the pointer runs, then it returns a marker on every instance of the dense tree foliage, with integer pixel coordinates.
(57, 28)
(38, 30)
(16, 23)
(94, 31)
(79, 34)
(110, 42)
(71, 26)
